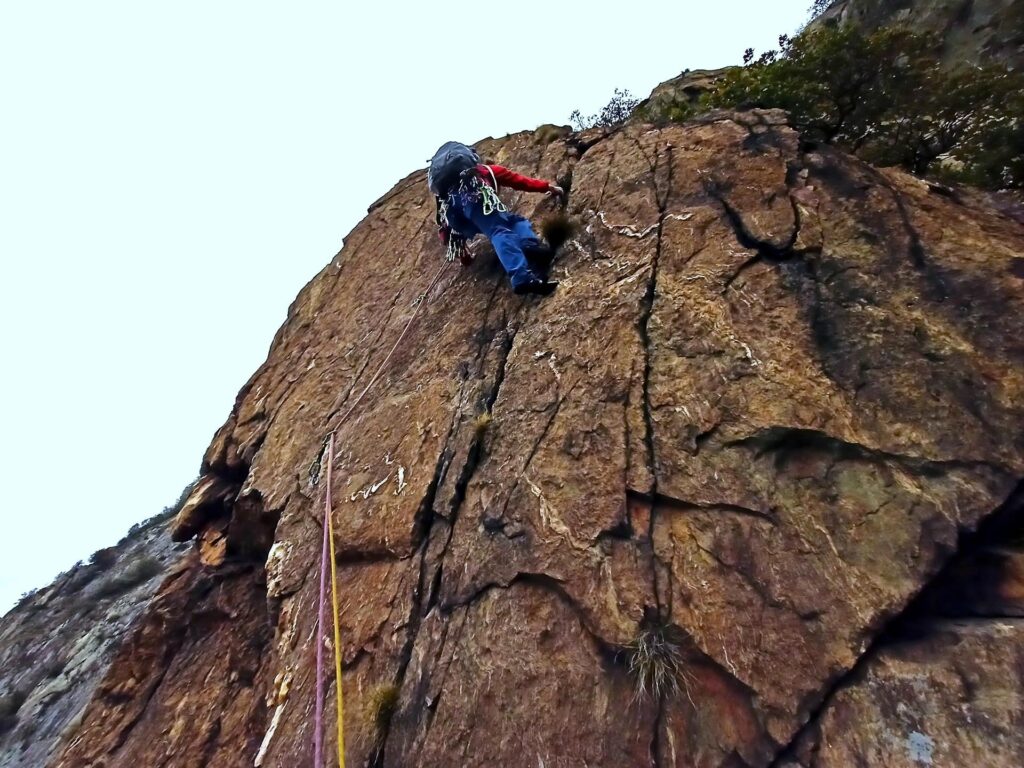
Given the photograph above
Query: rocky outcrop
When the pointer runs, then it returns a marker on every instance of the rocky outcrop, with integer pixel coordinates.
(682, 92)
(58, 643)
(684, 512)
(972, 31)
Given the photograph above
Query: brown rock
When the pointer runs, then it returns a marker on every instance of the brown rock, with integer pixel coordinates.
(953, 699)
(772, 390)
(209, 500)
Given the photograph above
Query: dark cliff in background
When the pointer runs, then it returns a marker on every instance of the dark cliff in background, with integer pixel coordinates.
(975, 31)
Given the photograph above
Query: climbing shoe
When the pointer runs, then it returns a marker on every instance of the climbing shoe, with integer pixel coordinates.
(540, 257)
(536, 287)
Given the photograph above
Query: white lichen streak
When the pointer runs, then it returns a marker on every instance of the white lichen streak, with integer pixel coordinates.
(750, 355)
(370, 490)
(279, 552)
(828, 537)
(551, 519)
(283, 684)
(401, 480)
(265, 745)
(680, 217)
(578, 247)
(551, 365)
(628, 231)
(623, 229)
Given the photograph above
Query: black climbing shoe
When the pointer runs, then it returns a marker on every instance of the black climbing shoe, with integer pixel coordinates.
(540, 257)
(536, 287)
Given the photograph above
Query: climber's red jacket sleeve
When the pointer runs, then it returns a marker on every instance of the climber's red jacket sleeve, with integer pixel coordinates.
(507, 178)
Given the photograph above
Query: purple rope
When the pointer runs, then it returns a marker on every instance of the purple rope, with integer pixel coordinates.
(318, 722)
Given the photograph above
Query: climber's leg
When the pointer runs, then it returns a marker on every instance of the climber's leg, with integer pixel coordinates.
(500, 229)
(539, 255)
(524, 231)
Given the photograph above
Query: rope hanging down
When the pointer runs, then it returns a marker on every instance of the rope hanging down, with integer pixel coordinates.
(328, 565)
(334, 604)
(373, 379)
(327, 556)
(318, 717)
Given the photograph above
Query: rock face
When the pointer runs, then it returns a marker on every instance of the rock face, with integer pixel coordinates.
(973, 31)
(684, 90)
(951, 699)
(741, 453)
(58, 643)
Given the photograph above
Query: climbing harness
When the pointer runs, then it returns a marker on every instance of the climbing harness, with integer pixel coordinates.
(471, 189)
(328, 562)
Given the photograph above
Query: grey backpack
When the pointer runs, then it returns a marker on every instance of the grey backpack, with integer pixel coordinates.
(447, 166)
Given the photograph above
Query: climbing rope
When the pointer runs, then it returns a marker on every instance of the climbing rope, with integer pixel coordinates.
(328, 564)
(318, 718)
(387, 359)
(334, 604)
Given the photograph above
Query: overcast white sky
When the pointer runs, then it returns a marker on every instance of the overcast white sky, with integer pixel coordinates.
(172, 173)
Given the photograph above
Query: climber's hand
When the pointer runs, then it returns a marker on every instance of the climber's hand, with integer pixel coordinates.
(467, 256)
(556, 191)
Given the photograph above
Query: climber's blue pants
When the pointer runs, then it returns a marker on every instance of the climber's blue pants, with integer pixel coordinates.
(509, 233)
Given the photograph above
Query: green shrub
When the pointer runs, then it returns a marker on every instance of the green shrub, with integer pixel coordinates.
(818, 7)
(557, 228)
(617, 111)
(882, 96)
(104, 558)
(166, 514)
(481, 423)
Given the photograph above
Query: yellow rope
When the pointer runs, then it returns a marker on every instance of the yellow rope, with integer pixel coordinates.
(330, 524)
(337, 615)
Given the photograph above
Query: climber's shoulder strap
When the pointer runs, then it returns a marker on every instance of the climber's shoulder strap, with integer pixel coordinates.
(494, 178)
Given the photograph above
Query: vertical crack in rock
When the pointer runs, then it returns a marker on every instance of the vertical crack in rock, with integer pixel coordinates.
(423, 602)
(469, 467)
(607, 177)
(530, 456)
(482, 346)
(659, 726)
(916, 247)
(647, 310)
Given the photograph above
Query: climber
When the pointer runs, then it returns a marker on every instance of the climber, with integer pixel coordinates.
(466, 193)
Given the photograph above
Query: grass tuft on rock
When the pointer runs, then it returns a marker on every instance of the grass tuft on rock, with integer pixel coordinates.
(381, 705)
(655, 661)
(557, 229)
(481, 423)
